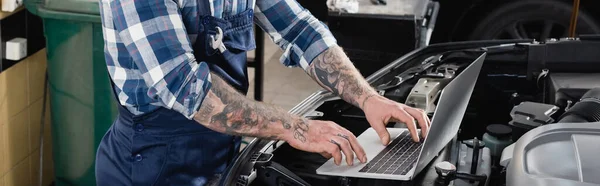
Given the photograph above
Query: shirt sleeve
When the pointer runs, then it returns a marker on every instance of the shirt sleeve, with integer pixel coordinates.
(155, 38)
(298, 33)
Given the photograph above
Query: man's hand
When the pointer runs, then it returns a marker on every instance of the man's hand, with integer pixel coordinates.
(380, 110)
(326, 138)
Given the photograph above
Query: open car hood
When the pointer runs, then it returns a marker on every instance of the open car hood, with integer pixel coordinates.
(523, 53)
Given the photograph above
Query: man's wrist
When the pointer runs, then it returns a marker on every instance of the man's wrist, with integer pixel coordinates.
(367, 99)
(296, 130)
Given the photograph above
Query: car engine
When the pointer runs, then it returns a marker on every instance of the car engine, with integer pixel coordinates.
(531, 120)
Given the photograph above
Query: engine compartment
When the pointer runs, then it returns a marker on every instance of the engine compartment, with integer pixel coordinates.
(514, 76)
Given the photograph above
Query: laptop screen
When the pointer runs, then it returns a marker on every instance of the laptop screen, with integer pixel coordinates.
(449, 112)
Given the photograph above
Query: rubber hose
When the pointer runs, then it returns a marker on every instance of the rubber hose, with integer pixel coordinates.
(586, 110)
(475, 159)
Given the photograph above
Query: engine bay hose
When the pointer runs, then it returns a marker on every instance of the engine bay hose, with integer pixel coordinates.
(586, 110)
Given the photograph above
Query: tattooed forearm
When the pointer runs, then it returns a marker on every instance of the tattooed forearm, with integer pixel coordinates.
(334, 72)
(205, 113)
(225, 110)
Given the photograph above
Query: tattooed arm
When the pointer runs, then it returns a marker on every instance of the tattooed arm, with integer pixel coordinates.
(335, 72)
(227, 111)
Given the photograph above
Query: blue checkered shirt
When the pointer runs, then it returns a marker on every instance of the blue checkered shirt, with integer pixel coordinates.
(149, 54)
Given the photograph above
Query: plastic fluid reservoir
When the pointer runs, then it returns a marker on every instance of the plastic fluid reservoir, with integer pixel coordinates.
(497, 138)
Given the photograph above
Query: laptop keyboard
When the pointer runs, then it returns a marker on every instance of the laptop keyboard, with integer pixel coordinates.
(397, 158)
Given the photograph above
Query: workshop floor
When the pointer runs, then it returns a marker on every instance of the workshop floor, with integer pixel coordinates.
(284, 87)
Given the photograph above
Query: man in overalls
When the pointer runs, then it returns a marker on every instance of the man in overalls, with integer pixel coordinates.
(179, 72)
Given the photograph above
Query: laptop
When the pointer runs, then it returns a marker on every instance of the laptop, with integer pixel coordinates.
(402, 159)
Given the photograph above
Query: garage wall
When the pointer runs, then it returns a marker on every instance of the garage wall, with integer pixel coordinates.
(21, 93)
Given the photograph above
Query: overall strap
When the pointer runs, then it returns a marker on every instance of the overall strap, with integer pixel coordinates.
(204, 7)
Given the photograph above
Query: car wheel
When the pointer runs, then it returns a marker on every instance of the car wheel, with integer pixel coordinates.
(532, 19)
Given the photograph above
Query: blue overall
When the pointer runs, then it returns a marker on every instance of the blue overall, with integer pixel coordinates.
(165, 148)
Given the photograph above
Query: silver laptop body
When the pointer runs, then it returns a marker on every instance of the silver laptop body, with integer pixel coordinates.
(403, 158)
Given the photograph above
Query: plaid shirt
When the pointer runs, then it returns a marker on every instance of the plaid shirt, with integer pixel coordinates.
(149, 54)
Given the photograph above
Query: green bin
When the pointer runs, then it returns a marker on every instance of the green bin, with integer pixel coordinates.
(82, 104)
